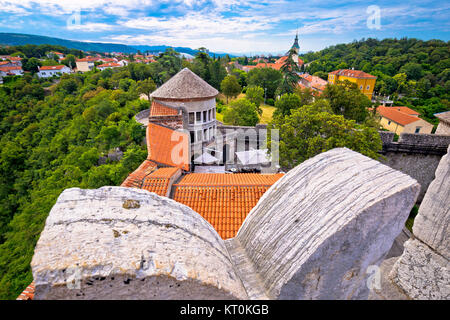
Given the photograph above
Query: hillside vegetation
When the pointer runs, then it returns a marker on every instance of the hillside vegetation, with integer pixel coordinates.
(53, 139)
(413, 72)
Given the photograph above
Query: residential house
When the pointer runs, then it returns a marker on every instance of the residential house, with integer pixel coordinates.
(108, 66)
(365, 81)
(12, 71)
(402, 120)
(444, 123)
(314, 83)
(85, 64)
(16, 60)
(50, 71)
(56, 54)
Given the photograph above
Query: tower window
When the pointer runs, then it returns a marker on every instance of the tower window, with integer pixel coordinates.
(204, 116)
(191, 117)
(198, 117)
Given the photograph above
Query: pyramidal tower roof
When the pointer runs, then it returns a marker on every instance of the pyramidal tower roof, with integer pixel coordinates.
(185, 85)
(296, 45)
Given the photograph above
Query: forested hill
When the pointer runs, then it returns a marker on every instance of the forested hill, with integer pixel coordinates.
(19, 39)
(414, 69)
(55, 136)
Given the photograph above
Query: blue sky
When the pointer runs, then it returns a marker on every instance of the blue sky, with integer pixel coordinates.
(234, 26)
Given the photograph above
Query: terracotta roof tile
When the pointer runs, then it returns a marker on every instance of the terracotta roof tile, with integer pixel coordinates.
(159, 181)
(224, 200)
(406, 110)
(59, 67)
(353, 74)
(109, 64)
(134, 180)
(399, 117)
(168, 146)
(159, 109)
(28, 293)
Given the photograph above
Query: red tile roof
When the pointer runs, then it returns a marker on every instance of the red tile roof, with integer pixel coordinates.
(224, 200)
(59, 67)
(353, 74)
(168, 146)
(406, 110)
(397, 116)
(134, 180)
(159, 181)
(109, 64)
(87, 60)
(158, 109)
(7, 69)
(28, 293)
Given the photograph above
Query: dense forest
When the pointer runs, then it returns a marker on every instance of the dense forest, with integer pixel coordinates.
(413, 72)
(57, 137)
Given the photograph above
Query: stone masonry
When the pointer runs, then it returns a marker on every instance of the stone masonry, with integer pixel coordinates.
(312, 235)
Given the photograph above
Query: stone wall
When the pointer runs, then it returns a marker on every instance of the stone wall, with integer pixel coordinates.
(423, 270)
(174, 122)
(417, 155)
(126, 243)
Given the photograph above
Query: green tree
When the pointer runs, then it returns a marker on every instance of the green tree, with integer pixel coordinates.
(290, 72)
(314, 129)
(256, 96)
(347, 100)
(266, 78)
(32, 65)
(70, 61)
(230, 86)
(241, 112)
(146, 87)
(217, 74)
(286, 103)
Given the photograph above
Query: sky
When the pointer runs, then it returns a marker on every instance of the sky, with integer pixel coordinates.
(233, 26)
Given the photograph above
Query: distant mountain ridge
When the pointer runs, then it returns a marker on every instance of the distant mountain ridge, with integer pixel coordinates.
(17, 39)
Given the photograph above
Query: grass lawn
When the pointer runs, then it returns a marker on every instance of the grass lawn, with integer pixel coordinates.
(267, 113)
(219, 116)
(265, 117)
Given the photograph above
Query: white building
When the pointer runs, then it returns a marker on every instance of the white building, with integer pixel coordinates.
(14, 71)
(50, 71)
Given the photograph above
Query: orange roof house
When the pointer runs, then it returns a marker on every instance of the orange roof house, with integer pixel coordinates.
(167, 146)
(402, 119)
(224, 200)
(364, 81)
(161, 180)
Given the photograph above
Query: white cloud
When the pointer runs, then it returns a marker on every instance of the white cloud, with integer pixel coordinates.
(90, 27)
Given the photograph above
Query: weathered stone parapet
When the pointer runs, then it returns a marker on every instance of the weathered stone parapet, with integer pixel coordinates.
(423, 270)
(421, 273)
(315, 232)
(432, 224)
(123, 243)
(312, 235)
(415, 143)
